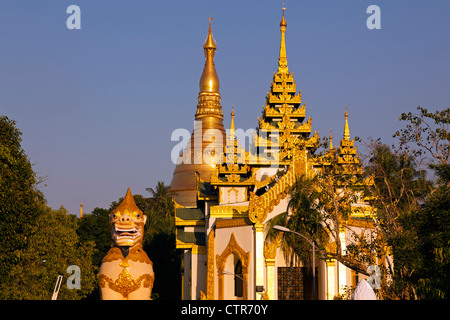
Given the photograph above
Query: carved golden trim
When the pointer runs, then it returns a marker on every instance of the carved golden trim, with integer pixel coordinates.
(270, 248)
(210, 268)
(260, 206)
(222, 211)
(196, 249)
(231, 223)
(125, 284)
(367, 224)
(181, 222)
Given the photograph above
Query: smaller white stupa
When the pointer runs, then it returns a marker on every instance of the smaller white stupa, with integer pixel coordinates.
(363, 291)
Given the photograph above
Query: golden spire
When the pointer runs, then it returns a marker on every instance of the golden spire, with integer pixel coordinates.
(282, 59)
(232, 118)
(208, 116)
(209, 42)
(331, 141)
(346, 129)
(209, 81)
(81, 210)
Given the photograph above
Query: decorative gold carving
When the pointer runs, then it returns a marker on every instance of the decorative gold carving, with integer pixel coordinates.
(181, 222)
(228, 211)
(260, 206)
(270, 248)
(125, 284)
(367, 224)
(210, 268)
(265, 182)
(232, 223)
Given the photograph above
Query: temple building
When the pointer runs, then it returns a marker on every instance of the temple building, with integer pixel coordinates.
(226, 194)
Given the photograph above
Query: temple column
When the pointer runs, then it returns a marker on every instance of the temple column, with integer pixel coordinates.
(270, 253)
(270, 263)
(342, 269)
(259, 257)
(331, 279)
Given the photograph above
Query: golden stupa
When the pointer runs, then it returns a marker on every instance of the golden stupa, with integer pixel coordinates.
(208, 116)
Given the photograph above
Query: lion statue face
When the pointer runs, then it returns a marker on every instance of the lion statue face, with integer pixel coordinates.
(127, 223)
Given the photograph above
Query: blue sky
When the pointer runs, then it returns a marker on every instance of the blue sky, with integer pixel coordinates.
(97, 106)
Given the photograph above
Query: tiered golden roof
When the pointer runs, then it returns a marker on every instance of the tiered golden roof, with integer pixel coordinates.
(235, 169)
(347, 153)
(283, 112)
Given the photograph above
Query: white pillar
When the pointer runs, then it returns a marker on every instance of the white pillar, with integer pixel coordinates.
(342, 269)
(259, 257)
(331, 279)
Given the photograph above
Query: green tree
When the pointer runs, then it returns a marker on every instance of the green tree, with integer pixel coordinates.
(428, 132)
(397, 190)
(160, 243)
(21, 201)
(427, 135)
(432, 220)
(54, 246)
(95, 227)
(412, 211)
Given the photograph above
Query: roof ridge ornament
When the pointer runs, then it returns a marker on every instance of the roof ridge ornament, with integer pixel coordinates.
(346, 128)
(282, 59)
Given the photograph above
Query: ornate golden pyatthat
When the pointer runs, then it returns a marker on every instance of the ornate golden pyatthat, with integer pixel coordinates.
(282, 127)
(347, 155)
(126, 261)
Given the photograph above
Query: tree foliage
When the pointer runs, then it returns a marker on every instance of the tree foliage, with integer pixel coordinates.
(21, 201)
(428, 132)
(53, 247)
(38, 243)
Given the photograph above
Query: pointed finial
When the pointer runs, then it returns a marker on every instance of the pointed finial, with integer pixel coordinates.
(282, 60)
(283, 21)
(210, 29)
(209, 81)
(232, 117)
(209, 42)
(331, 141)
(346, 128)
